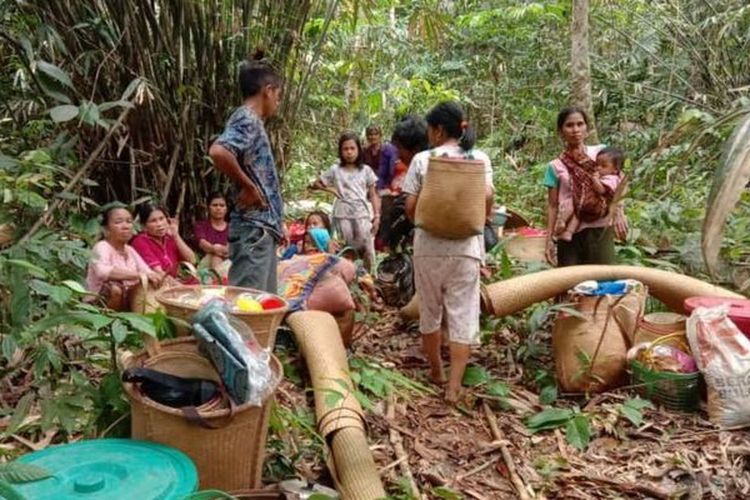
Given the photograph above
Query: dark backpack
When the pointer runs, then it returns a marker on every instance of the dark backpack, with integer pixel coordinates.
(395, 279)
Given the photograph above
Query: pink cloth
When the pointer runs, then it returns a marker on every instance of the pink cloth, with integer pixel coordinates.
(106, 258)
(205, 231)
(165, 255)
(565, 193)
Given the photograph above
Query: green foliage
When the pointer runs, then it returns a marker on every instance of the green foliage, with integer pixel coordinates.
(15, 473)
(577, 425)
(632, 409)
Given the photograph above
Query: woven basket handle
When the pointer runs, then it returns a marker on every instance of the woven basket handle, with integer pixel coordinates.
(151, 343)
(193, 416)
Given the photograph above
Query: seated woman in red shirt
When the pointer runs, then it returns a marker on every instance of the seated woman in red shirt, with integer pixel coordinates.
(212, 234)
(159, 242)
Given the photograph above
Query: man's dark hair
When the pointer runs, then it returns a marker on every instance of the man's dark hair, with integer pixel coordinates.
(255, 73)
(373, 129)
(410, 133)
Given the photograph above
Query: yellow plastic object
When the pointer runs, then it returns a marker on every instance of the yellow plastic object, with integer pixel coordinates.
(246, 303)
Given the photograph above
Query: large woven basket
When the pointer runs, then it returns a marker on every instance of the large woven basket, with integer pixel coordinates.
(452, 201)
(229, 457)
(263, 324)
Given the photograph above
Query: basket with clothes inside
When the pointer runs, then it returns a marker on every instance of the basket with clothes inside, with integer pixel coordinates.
(209, 396)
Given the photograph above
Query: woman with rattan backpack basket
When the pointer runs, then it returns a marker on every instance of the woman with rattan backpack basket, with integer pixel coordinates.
(570, 182)
(115, 267)
(447, 258)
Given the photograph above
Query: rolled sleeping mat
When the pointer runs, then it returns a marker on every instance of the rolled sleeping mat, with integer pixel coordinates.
(341, 424)
(510, 296)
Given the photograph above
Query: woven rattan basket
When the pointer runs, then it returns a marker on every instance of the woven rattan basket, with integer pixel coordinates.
(452, 201)
(228, 457)
(263, 324)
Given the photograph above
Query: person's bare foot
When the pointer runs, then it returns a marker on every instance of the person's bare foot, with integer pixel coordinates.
(566, 236)
(437, 376)
(452, 394)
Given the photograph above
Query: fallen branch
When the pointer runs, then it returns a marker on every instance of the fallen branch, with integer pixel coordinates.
(641, 488)
(402, 459)
(498, 436)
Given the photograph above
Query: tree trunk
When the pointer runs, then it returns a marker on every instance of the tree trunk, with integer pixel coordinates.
(580, 63)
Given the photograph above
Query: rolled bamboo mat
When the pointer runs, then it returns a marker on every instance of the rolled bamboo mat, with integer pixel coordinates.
(510, 296)
(507, 297)
(341, 423)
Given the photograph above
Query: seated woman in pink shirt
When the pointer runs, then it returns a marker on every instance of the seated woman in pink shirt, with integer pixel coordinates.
(160, 243)
(212, 234)
(116, 267)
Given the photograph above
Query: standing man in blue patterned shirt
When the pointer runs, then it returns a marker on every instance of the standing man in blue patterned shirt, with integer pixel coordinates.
(243, 153)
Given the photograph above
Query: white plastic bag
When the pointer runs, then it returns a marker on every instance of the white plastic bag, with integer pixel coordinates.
(722, 353)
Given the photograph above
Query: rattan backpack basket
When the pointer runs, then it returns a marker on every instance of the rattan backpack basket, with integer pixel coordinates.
(452, 203)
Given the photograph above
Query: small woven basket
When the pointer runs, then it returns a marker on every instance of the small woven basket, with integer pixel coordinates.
(674, 391)
(263, 323)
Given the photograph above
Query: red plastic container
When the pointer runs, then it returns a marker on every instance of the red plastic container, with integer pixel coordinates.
(739, 309)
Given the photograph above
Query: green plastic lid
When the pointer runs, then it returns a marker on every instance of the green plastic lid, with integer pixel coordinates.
(111, 468)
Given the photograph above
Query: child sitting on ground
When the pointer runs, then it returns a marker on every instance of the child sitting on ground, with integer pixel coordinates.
(314, 220)
(604, 182)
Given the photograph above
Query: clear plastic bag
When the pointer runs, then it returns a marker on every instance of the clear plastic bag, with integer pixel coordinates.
(722, 353)
(244, 366)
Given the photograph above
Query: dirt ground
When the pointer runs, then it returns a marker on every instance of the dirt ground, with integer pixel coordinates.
(420, 443)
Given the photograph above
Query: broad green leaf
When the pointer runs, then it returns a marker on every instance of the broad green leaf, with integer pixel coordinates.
(548, 395)
(63, 113)
(139, 323)
(475, 375)
(17, 472)
(54, 72)
(634, 415)
(89, 113)
(75, 286)
(19, 413)
(53, 93)
(551, 418)
(8, 492)
(132, 86)
(106, 106)
(638, 403)
(31, 268)
(119, 331)
(578, 432)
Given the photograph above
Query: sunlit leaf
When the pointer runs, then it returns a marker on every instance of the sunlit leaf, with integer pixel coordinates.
(63, 113)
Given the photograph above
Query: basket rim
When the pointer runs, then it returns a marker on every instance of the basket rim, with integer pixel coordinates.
(167, 301)
(456, 160)
(637, 365)
(134, 394)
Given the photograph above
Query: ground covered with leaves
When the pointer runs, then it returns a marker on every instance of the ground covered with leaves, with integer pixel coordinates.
(511, 431)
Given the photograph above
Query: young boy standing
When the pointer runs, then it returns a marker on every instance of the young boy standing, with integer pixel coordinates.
(243, 153)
